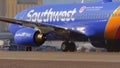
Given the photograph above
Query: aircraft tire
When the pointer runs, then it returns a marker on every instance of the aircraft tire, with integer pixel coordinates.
(64, 46)
(113, 49)
(68, 46)
(113, 46)
(28, 48)
(72, 47)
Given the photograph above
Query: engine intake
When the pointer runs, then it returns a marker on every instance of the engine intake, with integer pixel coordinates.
(39, 38)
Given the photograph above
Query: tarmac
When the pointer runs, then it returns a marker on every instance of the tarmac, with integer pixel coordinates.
(59, 60)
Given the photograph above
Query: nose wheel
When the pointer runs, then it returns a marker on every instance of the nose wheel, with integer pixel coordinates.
(68, 46)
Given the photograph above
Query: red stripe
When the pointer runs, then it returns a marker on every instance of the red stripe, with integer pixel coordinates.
(118, 33)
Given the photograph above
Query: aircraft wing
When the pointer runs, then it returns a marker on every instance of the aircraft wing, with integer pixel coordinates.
(60, 31)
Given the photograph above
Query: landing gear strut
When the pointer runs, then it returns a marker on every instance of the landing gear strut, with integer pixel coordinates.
(68, 46)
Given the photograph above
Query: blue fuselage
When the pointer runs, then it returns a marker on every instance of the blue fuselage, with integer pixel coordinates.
(93, 17)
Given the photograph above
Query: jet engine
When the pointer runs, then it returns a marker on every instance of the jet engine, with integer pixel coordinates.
(29, 36)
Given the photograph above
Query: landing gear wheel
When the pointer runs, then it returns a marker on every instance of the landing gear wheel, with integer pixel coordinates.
(113, 46)
(28, 48)
(72, 47)
(64, 46)
(68, 46)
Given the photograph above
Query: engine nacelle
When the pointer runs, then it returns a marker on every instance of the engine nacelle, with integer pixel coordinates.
(29, 36)
(13, 28)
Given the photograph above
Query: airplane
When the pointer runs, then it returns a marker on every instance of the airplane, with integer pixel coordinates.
(98, 23)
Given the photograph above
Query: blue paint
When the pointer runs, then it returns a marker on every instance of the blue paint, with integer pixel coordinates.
(25, 36)
(89, 19)
(107, 1)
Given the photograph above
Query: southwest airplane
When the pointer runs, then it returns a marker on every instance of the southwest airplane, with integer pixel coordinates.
(98, 23)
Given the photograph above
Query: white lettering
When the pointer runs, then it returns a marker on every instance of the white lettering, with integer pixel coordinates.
(24, 34)
(51, 16)
(29, 15)
(34, 17)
